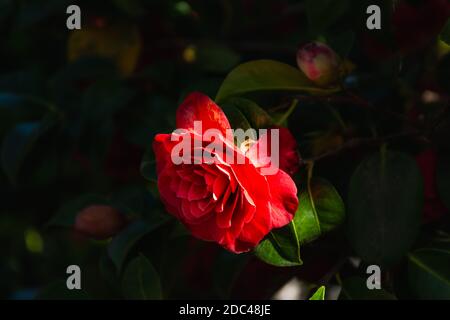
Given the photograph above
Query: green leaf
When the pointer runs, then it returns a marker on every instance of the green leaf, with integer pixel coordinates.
(280, 248)
(266, 75)
(141, 281)
(443, 179)
(320, 210)
(236, 118)
(445, 33)
(429, 273)
(319, 294)
(257, 117)
(65, 217)
(385, 207)
(355, 288)
(122, 243)
(19, 142)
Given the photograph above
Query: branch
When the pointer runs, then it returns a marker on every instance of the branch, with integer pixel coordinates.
(354, 99)
(357, 142)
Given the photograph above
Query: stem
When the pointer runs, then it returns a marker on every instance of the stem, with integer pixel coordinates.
(288, 112)
(354, 99)
(310, 166)
(337, 116)
(357, 142)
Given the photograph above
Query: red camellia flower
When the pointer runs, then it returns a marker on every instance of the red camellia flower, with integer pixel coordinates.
(235, 205)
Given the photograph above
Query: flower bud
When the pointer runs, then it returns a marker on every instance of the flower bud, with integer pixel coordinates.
(319, 63)
(99, 221)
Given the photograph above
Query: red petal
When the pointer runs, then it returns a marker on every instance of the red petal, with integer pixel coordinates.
(224, 218)
(289, 156)
(199, 107)
(289, 159)
(183, 189)
(284, 199)
(219, 186)
(168, 197)
(197, 192)
(162, 147)
(253, 232)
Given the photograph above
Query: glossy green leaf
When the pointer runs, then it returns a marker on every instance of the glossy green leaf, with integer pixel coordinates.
(443, 179)
(280, 248)
(257, 117)
(320, 210)
(385, 207)
(355, 288)
(266, 75)
(429, 273)
(237, 119)
(123, 242)
(19, 142)
(319, 294)
(141, 281)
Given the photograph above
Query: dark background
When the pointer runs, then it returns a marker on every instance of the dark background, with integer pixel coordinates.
(78, 113)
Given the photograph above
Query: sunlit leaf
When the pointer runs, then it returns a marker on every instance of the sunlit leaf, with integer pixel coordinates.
(320, 210)
(280, 248)
(319, 294)
(266, 75)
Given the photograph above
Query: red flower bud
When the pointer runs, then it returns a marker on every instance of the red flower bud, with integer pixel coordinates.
(319, 63)
(99, 221)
